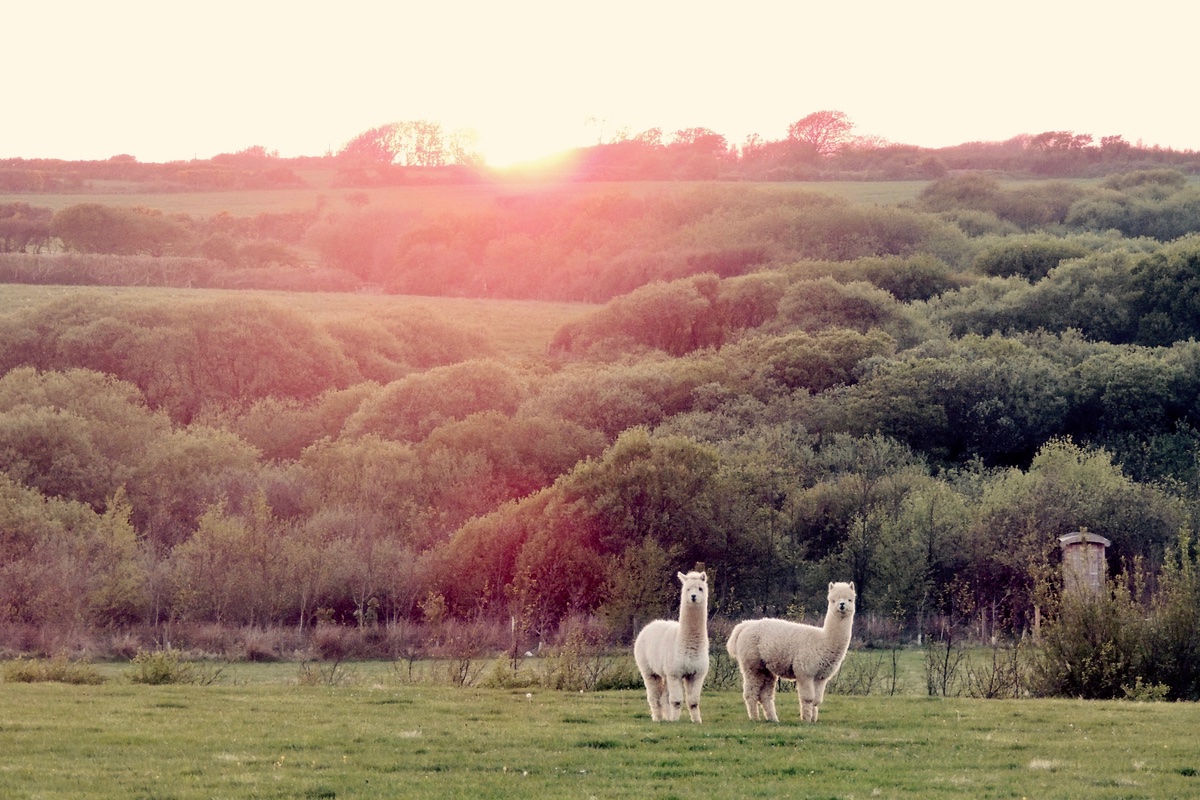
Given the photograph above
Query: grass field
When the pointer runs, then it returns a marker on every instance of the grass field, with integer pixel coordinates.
(518, 329)
(382, 738)
(417, 198)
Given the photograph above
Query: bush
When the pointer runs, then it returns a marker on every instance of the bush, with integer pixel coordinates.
(1030, 257)
(582, 663)
(328, 674)
(1113, 646)
(1163, 179)
(59, 669)
(95, 228)
(160, 667)
(1002, 673)
(507, 673)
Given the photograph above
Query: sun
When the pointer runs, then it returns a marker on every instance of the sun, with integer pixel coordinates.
(510, 145)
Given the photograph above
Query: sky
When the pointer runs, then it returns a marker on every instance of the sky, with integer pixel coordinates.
(169, 81)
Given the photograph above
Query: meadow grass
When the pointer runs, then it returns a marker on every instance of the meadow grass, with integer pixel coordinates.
(322, 192)
(423, 199)
(375, 737)
(518, 329)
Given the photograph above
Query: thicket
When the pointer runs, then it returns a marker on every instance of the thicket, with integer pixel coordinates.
(853, 399)
(1138, 639)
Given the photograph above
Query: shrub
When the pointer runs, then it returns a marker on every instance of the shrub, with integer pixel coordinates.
(1030, 257)
(328, 674)
(1026, 206)
(59, 669)
(506, 673)
(1002, 673)
(95, 228)
(1114, 646)
(582, 663)
(160, 667)
(1163, 179)
(917, 277)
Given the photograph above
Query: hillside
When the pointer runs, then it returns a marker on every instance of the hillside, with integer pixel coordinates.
(597, 386)
(519, 330)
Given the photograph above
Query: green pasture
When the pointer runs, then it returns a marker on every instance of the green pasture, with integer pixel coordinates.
(374, 736)
(416, 198)
(518, 329)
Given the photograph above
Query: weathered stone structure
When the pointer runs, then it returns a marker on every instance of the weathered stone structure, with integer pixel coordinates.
(1084, 564)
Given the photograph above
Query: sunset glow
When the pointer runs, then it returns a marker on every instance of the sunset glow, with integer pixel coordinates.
(174, 83)
(508, 146)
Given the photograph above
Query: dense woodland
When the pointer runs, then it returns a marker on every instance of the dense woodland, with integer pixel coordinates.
(789, 387)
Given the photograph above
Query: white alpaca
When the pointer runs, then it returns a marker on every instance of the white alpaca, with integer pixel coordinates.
(769, 648)
(673, 656)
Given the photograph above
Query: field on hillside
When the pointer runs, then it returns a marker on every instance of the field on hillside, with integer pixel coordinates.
(390, 739)
(519, 329)
(415, 198)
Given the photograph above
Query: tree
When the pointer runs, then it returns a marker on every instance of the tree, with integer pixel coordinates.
(375, 145)
(96, 228)
(701, 141)
(23, 226)
(120, 566)
(212, 578)
(663, 487)
(522, 454)
(1168, 281)
(421, 144)
(463, 147)
(826, 131)
(410, 408)
(371, 474)
(181, 474)
(1020, 515)
(638, 589)
(415, 143)
(234, 568)
(664, 316)
(43, 566)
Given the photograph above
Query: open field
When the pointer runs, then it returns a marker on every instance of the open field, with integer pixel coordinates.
(519, 329)
(388, 739)
(424, 199)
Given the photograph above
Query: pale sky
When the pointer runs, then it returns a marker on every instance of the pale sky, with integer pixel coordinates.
(167, 81)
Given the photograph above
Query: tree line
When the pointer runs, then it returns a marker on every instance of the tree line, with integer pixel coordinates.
(918, 399)
(594, 247)
(822, 145)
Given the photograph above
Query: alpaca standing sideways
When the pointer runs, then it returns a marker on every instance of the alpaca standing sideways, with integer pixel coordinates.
(769, 648)
(673, 656)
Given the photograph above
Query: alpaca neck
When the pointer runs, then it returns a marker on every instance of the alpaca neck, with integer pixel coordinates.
(692, 615)
(693, 625)
(837, 627)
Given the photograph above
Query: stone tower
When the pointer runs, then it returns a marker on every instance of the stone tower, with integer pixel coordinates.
(1084, 563)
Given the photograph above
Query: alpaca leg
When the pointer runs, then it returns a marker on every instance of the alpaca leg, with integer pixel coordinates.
(805, 687)
(766, 696)
(675, 700)
(751, 689)
(656, 692)
(691, 690)
(818, 697)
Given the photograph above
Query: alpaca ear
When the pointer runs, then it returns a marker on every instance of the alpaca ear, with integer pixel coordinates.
(831, 586)
(852, 587)
(681, 576)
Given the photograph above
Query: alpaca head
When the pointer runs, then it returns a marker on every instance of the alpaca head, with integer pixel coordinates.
(841, 598)
(695, 588)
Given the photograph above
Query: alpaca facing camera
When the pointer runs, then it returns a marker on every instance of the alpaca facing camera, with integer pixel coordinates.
(672, 655)
(766, 649)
